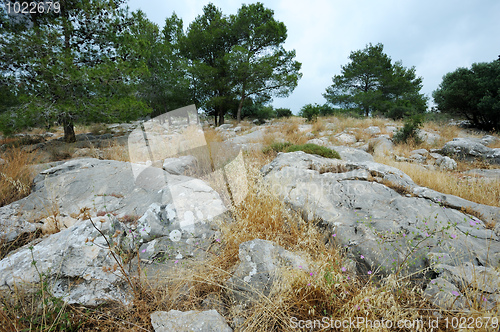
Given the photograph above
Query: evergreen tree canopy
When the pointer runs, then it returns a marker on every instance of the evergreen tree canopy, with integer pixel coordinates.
(71, 66)
(371, 84)
(473, 93)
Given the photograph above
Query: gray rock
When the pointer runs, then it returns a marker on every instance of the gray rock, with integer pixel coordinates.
(377, 212)
(346, 138)
(445, 295)
(180, 165)
(323, 141)
(305, 127)
(382, 145)
(237, 129)
(2, 161)
(352, 154)
(391, 129)
(224, 126)
(372, 130)
(422, 152)
(107, 186)
(309, 135)
(12, 225)
(446, 163)
(488, 139)
(165, 242)
(189, 321)
(428, 137)
(435, 155)
(466, 148)
(330, 126)
(252, 137)
(418, 158)
(467, 275)
(76, 262)
(488, 174)
(255, 275)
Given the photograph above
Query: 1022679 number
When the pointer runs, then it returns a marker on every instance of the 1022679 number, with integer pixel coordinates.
(26, 7)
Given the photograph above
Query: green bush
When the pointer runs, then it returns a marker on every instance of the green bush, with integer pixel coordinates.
(307, 148)
(283, 113)
(409, 131)
(310, 111)
(277, 147)
(314, 149)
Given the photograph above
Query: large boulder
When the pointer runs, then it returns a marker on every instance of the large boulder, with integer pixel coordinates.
(107, 186)
(379, 214)
(76, 263)
(468, 149)
(180, 165)
(382, 145)
(260, 261)
(77, 259)
(352, 154)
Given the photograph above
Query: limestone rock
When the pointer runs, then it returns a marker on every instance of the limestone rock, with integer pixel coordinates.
(260, 260)
(445, 295)
(374, 208)
(382, 145)
(179, 166)
(446, 163)
(189, 321)
(352, 154)
(466, 148)
(428, 137)
(372, 130)
(346, 138)
(77, 263)
(323, 141)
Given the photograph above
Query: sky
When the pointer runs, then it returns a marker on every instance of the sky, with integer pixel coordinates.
(436, 37)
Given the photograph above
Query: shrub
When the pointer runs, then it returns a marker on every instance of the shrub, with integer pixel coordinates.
(277, 147)
(283, 113)
(307, 148)
(314, 149)
(310, 111)
(409, 131)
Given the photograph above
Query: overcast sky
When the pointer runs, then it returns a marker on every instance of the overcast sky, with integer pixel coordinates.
(435, 36)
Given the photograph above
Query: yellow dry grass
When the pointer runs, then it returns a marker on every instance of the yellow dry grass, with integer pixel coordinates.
(15, 175)
(467, 187)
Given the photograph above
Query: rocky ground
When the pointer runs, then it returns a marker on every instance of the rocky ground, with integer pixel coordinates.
(106, 222)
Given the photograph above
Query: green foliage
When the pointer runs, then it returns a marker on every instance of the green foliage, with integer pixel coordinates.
(472, 93)
(165, 85)
(310, 111)
(327, 110)
(307, 148)
(238, 57)
(258, 61)
(315, 149)
(283, 113)
(409, 130)
(74, 67)
(277, 147)
(371, 84)
(255, 108)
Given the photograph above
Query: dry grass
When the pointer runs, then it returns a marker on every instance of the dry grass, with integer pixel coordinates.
(15, 175)
(468, 187)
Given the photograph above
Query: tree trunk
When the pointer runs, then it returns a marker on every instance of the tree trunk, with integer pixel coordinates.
(221, 116)
(69, 129)
(240, 106)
